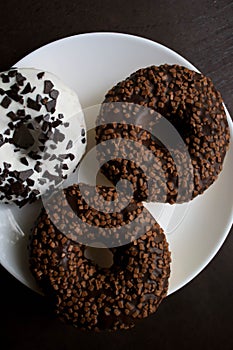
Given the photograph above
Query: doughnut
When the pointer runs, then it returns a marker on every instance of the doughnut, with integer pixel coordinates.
(83, 293)
(171, 95)
(42, 134)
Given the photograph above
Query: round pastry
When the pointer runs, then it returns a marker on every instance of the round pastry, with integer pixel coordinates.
(90, 296)
(42, 133)
(190, 104)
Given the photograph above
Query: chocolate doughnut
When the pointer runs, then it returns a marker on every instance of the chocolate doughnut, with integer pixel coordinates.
(190, 106)
(83, 293)
(42, 133)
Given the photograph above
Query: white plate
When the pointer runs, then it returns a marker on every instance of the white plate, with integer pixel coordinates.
(91, 64)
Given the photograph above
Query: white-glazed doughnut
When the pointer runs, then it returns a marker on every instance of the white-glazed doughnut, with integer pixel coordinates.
(42, 133)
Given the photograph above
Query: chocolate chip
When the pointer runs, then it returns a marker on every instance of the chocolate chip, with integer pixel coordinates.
(12, 73)
(40, 75)
(20, 79)
(54, 94)
(50, 176)
(1, 142)
(5, 78)
(38, 98)
(36, 192)
(69, 144)
(65, 167)
(53, 147)
(30, 126)
(56, 123)
(2, 92)
(7, 132)
(44, 100)
(13, 116)
(30, 182)
(48, 85)
(58, 136)
(17, 188)
(24, 161)
(39, 118)
(37, 167)
(60, 116)
(33, 104)
(6, 165)
(52, 157)
(22, 137)
(84, 140)
(71, 156)
(21, 113)
(6, 101)
(50, 106)
(47, 117)
(23, 175)
(27, 89)
(45, 126)
(83, 132)
(41, 181)
(11, 125)
(15, 87)
(42, 148)
(34, 155)
(14, 96)
(46, 156)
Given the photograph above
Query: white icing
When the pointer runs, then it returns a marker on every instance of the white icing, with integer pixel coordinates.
(67, 104)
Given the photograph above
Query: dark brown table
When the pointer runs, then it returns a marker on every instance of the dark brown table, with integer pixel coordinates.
(200, 315)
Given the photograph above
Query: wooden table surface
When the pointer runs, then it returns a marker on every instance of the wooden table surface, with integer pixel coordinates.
(200, 315)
